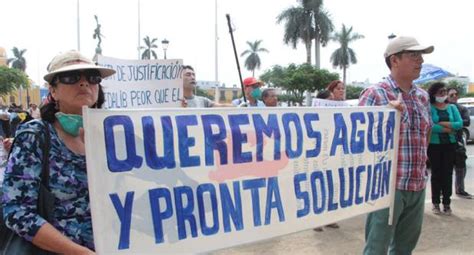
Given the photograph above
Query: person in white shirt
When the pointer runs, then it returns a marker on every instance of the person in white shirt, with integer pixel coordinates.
(189, 85)
(34, 111)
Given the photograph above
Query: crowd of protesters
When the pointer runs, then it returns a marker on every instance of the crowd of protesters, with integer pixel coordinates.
(430, 129)
(13, 115)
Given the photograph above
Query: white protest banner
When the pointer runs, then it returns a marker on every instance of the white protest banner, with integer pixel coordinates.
(328, 103)
(188, 180)
(142, 83)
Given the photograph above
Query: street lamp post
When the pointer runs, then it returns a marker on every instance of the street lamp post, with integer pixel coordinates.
(28, 93)
(165, 44)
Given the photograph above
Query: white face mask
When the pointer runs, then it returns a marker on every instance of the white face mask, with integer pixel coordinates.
(441, 99)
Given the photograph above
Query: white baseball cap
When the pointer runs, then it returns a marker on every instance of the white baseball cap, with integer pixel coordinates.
(405, 43)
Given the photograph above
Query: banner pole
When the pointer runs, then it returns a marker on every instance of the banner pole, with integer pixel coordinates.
(236, 58)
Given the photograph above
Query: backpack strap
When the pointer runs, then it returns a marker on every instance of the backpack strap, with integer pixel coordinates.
(43, 136)
(46, 145)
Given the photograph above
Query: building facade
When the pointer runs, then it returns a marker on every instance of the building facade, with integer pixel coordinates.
(226, 95)
(3, 57)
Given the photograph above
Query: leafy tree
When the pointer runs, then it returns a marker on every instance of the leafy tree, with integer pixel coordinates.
(18, 61)
(470, 94)
(252, 61)
(353, 92)
(296, 79)
(425, 86)
(298, 26)
(322, 23)
(344, 56)
(11, 79)
(150, 45)
(461, 87)
(287, 98)
(202, 93)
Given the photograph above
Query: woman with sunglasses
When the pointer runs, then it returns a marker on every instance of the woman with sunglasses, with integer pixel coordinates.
(74, 82)
(442, 147)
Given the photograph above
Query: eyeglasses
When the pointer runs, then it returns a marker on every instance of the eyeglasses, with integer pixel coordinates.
(72, 77)
(414, 54)
(453, 95)
(442, 92)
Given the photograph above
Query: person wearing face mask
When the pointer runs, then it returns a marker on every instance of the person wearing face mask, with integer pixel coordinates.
(74, 81)
(442, 149)
(253, 93)
(460, 161)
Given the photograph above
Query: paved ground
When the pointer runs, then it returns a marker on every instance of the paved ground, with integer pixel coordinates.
(440, 235)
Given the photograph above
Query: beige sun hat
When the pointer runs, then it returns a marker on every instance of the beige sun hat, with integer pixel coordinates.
(405, 43)
(73, 60)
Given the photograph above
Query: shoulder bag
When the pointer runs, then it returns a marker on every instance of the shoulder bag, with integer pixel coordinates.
(10, 242)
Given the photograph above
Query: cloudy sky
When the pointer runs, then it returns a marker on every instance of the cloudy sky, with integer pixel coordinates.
(47, 27)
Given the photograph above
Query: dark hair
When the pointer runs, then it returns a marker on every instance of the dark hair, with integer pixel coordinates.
(49, 109)
(266, 92)
(188, 67)
(387, 59)
(323, 94)
(333, 84)
(433, 89)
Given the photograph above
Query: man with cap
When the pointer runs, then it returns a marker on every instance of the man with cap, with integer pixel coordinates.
(403, 57)
(189, 85)
(253, 93)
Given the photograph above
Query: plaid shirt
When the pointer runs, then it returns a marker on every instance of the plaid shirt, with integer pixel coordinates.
(414, 129)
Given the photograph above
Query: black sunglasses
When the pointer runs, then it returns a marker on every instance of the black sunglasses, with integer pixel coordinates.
(72, 77)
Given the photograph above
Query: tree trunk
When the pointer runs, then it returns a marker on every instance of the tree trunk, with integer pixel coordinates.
(344, 80)
(308, 52)
(344, 74)
(317, 53)
(308, 60)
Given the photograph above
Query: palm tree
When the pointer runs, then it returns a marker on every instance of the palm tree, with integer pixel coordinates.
(322, 24)
(298, 26)
(306, 22)
(18, 61)
(150, 45)
(344, 56)
(252, 61)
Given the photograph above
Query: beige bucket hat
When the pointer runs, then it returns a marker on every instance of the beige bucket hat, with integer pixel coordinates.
(73, 60)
